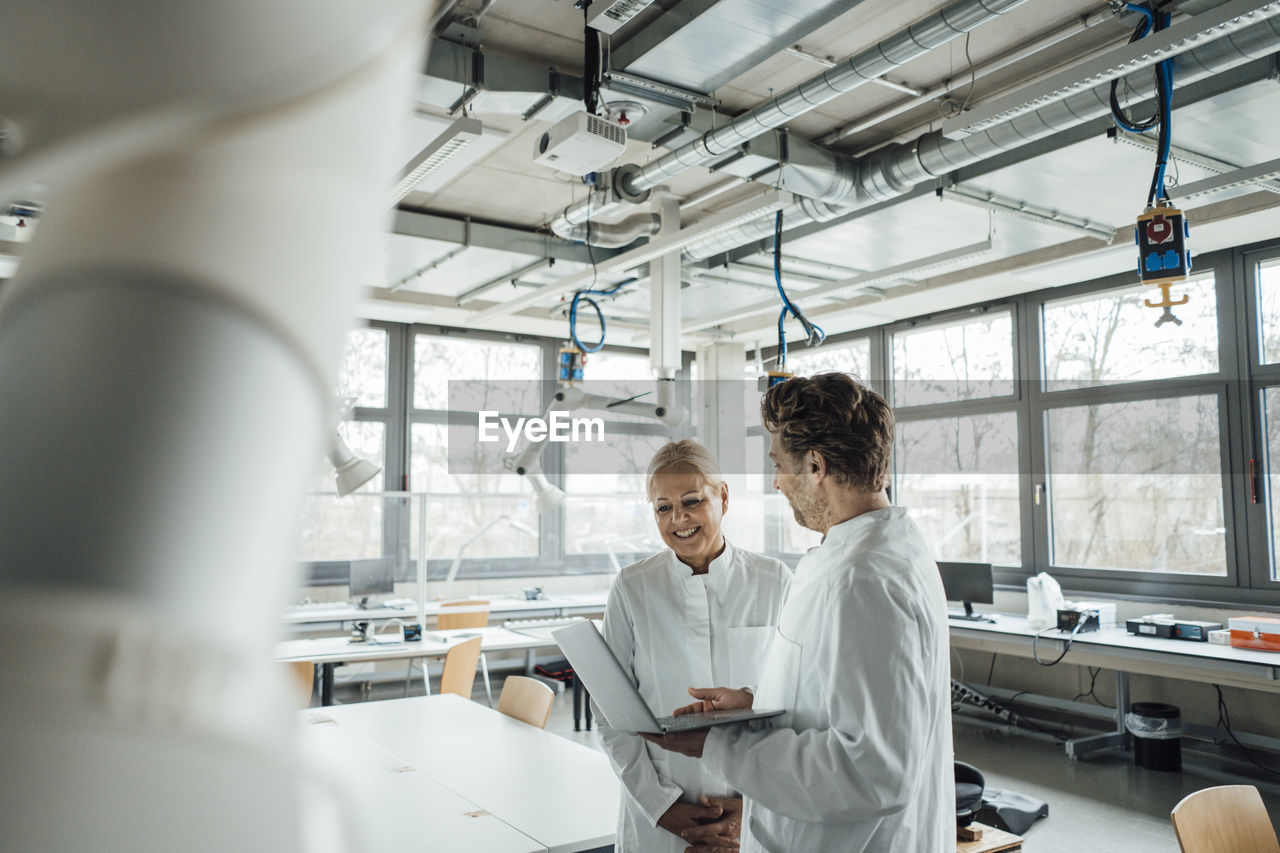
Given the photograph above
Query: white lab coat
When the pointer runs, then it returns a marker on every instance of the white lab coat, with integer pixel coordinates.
(863, 761)
(672, 630)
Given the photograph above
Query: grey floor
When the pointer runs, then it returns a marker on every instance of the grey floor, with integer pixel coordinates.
(1103, 805)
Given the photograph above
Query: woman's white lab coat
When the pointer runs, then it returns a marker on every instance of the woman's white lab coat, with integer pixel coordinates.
(672, 630)
(863, 762)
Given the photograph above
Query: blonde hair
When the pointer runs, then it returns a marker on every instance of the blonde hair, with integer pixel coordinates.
(684, 453)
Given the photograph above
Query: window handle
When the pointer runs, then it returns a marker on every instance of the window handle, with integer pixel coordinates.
(1253, 483)
(1038, 496)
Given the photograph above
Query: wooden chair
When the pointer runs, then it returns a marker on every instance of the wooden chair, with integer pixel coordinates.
(1225, 819)
(475, 619)
(302, 676)
(526, 699)
(459, 673)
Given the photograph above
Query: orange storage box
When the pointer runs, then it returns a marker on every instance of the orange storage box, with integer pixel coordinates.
(1255, 632)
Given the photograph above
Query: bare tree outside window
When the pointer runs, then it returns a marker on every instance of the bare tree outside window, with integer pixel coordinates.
(958, 477)
(1134, 485)
(465, 482)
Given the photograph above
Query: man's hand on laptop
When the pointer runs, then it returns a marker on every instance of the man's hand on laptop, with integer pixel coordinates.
(715, 699)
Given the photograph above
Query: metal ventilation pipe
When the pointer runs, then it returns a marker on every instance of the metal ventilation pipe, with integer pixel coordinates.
(895, 170)
(879, 59)
(613, 236)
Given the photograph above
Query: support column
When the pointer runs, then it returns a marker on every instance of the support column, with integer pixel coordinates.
(721, 396)
(664, 290)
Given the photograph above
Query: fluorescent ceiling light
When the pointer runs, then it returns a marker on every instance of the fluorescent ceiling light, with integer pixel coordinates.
(858, 282)
(437, 158)
(1248, 176)
(1156, 47)
(663, 244)
(1025, 210)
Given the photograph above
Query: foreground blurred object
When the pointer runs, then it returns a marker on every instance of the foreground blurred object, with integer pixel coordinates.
(215, 176)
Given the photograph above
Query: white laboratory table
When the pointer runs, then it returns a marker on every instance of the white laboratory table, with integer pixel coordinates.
(1116, 649)
(330, 651)
(515, 608)
(389, 804)
(561, 794)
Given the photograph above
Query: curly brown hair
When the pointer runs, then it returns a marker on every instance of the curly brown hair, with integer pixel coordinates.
(835, 415)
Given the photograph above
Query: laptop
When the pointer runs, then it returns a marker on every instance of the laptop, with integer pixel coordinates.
(617, 698)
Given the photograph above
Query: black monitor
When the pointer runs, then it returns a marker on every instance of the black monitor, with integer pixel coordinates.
(967, 583)
(371, 577)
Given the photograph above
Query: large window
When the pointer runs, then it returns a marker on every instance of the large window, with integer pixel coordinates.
(475, 506)
(956, 449)
(959, 478)
(334, 528)
(1111, 337)
(1062, 431)
(1137, 485)
(964, 360)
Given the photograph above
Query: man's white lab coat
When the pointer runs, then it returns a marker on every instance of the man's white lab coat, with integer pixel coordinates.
(672, 630)
(863, 760)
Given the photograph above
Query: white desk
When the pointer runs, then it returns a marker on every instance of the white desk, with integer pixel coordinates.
(559, 793)
(1116, 649)
(560, 605)
(330, 651)
(397, 806)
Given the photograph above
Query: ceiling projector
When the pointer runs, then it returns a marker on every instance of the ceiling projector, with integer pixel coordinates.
(580, 143)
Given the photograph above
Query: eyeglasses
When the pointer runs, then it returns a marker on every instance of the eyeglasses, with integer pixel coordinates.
(690, 504)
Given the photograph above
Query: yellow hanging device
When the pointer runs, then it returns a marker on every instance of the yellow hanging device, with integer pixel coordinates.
(1163, 260)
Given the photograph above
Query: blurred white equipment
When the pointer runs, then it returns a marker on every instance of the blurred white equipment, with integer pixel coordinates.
(580, 143)
(216, 178)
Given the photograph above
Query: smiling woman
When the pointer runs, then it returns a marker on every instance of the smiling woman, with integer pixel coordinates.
(701, 608)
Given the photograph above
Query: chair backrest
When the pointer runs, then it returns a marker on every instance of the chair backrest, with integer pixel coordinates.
(475, 619)
(459, 673)
(526, 699)
(1225, 819)
(301, 679)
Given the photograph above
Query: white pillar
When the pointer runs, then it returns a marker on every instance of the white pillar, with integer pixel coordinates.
(723, 416)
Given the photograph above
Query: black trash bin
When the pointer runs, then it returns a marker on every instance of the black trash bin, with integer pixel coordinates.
(1157, 735)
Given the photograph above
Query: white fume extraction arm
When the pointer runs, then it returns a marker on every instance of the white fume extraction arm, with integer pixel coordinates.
(457, 559)
(350, 471)
(215, 180)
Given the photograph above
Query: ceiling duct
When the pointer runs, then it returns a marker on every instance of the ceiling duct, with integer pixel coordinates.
(893, 171)
(609, 17)
(920, 38)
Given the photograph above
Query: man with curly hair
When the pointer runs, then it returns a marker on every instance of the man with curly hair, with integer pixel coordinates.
(862, 759)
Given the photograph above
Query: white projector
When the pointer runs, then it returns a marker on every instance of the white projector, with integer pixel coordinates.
(580, 143)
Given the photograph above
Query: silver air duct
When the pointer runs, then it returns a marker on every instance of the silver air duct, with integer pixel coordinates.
(895, 170)
(879, 59)
(613, 236)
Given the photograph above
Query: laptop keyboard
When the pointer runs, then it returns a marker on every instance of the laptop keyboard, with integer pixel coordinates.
(697, 720)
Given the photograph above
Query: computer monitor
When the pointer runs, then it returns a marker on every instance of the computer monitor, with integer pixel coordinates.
(967, 583)
(371, 577)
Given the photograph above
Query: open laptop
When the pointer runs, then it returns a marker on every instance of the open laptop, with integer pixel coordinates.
(617, 697)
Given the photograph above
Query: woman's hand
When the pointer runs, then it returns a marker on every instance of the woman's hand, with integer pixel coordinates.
(715, 699)
(721, 834)
(684, 816)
